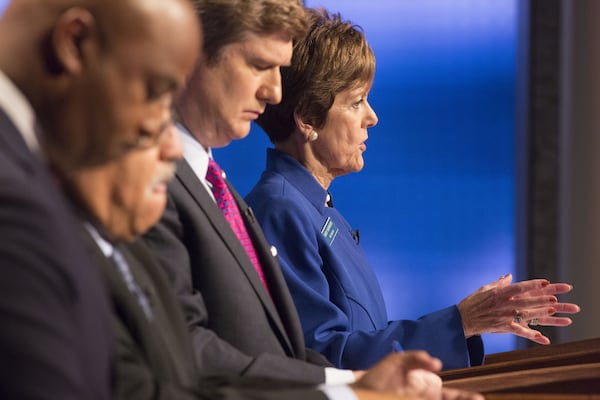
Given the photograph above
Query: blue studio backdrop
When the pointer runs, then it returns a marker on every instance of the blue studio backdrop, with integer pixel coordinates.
(435, 201)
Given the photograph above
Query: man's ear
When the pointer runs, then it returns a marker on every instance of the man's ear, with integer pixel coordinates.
(73, 30)
(304, 127)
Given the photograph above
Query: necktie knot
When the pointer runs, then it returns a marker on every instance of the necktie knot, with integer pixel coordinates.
(214, 174)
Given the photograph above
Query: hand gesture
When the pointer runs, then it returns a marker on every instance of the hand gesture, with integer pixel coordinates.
(502, 307)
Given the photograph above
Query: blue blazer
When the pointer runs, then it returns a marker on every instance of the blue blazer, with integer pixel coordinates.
(337, 294)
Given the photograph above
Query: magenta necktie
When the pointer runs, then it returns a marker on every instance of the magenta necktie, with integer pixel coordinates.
(227, 204)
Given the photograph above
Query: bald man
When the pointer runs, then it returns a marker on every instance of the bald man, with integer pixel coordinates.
(78, 82)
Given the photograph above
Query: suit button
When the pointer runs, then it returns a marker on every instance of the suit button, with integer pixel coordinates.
(274, 251)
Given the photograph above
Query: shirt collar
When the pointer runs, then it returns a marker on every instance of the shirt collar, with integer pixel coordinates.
(19, 111)
(105, 246)
(298, 176)
(193, 152)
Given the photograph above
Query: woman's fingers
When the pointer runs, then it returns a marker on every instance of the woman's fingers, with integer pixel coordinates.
(522, 316)
(541, 313)
(551, 289)
(525, 288)
(528, 333)
(504, 307)
(553, 321)
(503, 281)
(567, 308)
(557, 288)
(532, 302)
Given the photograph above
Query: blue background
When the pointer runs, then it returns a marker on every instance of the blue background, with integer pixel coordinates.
(435, 201)
(3, 4)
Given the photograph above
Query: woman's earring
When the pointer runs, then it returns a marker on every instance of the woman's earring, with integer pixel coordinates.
(312, 136)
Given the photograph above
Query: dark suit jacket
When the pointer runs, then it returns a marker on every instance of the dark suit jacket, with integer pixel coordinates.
(156, 360)
(55, 335)
(154, 357)
(236, 326)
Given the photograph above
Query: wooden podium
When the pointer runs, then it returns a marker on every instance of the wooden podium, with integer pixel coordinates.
(554, 372)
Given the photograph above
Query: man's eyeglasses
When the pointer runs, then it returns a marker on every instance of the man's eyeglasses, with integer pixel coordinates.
(146, 139)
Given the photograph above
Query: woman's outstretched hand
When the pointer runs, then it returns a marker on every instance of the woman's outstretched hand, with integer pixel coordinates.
(505, 307)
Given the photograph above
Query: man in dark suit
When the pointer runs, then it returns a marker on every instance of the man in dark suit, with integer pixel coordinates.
(63, 76)
(238, 325)
(55, 341)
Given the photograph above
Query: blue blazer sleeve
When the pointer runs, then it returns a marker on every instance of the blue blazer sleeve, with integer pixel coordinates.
(347, 325)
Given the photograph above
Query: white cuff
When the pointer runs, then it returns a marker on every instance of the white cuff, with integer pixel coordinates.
(338, 392)
(334, 376)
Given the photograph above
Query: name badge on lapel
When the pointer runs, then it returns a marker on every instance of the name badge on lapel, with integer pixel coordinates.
(329, 231)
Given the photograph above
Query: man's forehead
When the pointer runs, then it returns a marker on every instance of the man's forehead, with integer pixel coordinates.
(163, 42)
(273, 47)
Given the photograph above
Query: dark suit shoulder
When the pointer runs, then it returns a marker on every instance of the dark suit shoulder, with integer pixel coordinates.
(55, 306)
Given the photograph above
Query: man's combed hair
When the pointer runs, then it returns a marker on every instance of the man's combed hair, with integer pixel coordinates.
(334, 56)
(227, 21)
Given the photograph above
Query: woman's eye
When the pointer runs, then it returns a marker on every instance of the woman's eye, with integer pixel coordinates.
(357, 104)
